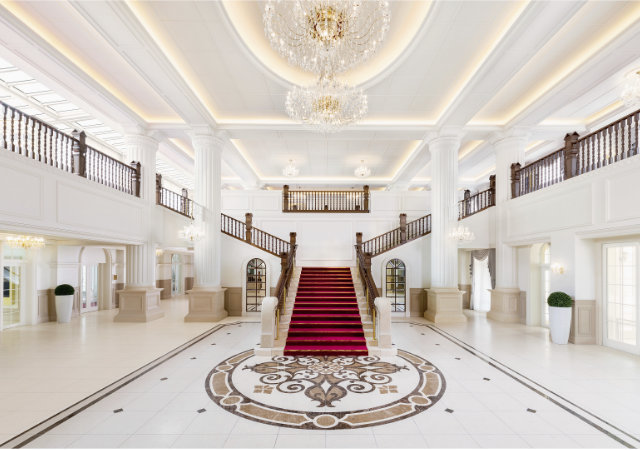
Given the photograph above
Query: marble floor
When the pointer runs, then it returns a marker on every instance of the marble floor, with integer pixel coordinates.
(482, 384)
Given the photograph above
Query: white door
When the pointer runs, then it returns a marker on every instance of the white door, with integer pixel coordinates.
(89, 288)
(12, 288)
(621, 314)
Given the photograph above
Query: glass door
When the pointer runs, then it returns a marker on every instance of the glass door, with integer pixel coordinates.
(545, 284)
(89, 288)
(176, 274)
(11, 296)
(621, 296)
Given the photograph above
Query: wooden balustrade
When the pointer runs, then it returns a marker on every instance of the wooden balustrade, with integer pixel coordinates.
(36, 140)
(325, 201)
(245, 231)
(609, 144)
(473, 204)
(363, 261)
(180, 203)
(391, 239)
(287, 265)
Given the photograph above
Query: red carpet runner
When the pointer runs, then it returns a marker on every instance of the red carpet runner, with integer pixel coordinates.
(325, 319)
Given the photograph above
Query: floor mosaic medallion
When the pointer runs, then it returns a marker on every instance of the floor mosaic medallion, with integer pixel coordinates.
(330, 392)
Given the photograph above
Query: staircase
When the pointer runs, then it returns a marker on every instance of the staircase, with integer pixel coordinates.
(325, 319)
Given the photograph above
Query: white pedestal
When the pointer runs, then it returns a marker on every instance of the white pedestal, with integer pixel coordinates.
(444, 305)
(206, 304)
(505, 305)
(139, 304)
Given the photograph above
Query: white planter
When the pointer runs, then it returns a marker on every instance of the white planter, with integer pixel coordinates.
(559, 324)
(64, 306)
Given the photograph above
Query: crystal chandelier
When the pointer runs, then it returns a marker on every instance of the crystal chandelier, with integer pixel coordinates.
(290, 170)
(362, 171)
(326, 106)
(461, 234)
(191, 233)
(25, 242)
(326, 35)
(631, 91)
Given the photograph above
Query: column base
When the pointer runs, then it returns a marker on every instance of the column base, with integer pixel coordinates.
(505, 305)
(444, 305)
(139, 304)
(206, 304)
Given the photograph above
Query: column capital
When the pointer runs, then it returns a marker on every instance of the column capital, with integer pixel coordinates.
(508, 134)
(446, 136)
(206, 135)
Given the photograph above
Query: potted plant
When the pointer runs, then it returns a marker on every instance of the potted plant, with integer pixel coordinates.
(559, 316)
(64, 302)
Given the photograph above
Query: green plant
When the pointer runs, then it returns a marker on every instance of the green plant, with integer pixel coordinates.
(64, 289)
(559, 299)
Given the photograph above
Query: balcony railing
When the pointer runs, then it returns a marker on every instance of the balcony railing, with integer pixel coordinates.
(325, 201)
(473, 204)
(38, 141)
(180, 203)
(609, 144)
(391, 239)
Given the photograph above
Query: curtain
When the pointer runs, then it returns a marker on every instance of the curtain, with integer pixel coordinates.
(483, 277)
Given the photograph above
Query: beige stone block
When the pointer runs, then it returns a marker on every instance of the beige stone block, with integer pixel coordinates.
(206, 304)
(505, 305)
(139, 304)
(444, 305)
(583, 322)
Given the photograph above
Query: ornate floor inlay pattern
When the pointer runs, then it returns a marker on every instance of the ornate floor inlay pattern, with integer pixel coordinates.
(331, 392)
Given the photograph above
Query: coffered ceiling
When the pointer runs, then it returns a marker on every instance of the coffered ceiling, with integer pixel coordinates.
(552, 67)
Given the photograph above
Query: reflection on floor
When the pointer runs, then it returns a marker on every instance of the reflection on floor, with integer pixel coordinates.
(493, 385)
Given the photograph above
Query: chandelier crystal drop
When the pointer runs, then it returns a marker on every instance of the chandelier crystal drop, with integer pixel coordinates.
(461, 234)
(326, 36)
(326, 106)
(25, 242)
(290, 170)
(362, 171)
(631, 90)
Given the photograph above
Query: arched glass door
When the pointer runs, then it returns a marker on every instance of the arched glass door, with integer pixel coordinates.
(256, 288)
(176, 275)
(396, 285)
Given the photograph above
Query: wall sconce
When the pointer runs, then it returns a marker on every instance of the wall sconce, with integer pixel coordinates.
(159, 252)
(557, 268)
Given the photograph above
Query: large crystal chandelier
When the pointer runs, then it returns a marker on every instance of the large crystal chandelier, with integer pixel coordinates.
(631, 90)
(461, 233)
(326, 35)
(191, 233)
(327, 105)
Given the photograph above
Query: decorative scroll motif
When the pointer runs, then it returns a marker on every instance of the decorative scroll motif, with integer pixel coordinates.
(325, 392)
(326, 379)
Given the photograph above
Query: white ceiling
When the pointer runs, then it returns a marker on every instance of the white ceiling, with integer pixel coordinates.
(553, 67)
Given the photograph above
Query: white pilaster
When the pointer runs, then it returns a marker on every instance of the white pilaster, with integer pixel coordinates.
(444, 299)
(509, 148)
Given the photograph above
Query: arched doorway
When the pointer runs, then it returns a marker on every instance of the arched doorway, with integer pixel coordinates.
(95, 279)
(177, 277)
(256, 285)
(396, 285)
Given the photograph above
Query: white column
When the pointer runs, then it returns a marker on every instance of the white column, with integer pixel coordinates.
(509, 148)
(140, 299)
(208, 180)
(206, 299)
(444, 299)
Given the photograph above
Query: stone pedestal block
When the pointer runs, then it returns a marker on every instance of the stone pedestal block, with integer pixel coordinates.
(505, 305)
(139, 304)
(206, 304)
(583, 322)
(444, 305)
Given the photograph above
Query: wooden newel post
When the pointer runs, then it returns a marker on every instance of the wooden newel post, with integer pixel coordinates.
(136, 178)
(158, 189)
(515, 179)
(403, 227)
(465, 204)
(492, 190)
(366, 198)
(248, 218)
(285, 197)
(292, 240)
(79, 153)
(571, 155)
(359, 240)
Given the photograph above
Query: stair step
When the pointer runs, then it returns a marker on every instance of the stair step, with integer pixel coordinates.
(326, 349)
(300, 331)
(326, 323)
(325, 339)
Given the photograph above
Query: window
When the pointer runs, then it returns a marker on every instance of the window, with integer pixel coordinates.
(11, 283)
(621, 295)
(545, 281)
(256, 284)
(396, 285)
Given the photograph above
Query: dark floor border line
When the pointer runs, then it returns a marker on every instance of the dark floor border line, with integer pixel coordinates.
(58, 418)
(494, 363)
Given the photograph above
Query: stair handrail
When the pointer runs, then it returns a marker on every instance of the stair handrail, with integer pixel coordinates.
(363, 262)
(406, 232)
(180, 203)
(245, 231)
(287, 264)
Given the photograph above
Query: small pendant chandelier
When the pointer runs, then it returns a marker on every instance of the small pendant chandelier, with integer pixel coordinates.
(362, 171)
(290, 169)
